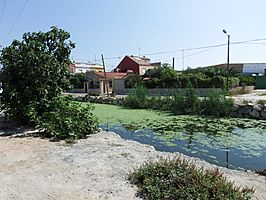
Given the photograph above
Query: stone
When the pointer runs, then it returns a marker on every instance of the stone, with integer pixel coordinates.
(255, 114)
(258, 107)
(235, 108)
(79, 98)
(263, 114)
(245, 110)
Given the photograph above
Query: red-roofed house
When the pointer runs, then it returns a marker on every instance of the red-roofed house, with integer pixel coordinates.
(95, 81)
(135, 64)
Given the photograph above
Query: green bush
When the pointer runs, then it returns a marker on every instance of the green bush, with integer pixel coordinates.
(159, 103)
(188, 103)
(216, 104)
(137, 98)
(233, 82)
(77, 80)
(66, 119)
(178, 179)
(152, 83)
(178, 104)
(133, 80)
(192, 100)
(34, 71)
(246, 80)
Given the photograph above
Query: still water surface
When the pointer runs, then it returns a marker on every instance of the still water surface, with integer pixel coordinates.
(233, 143)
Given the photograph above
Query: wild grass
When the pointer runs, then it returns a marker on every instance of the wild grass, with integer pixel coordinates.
(179, 179)
(215, 104)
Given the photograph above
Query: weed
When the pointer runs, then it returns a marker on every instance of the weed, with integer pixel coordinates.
(179, 179)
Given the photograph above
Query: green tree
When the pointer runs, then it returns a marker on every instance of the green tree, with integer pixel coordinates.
(168, 76)
(133, 80)
(35, 70)
(77, 80)
(165, 76)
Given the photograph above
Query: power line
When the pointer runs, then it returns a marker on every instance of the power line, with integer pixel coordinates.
(248, 41)
(206, 48)
(16, 20)
(189, 49)
(2, 13)
(189, 55)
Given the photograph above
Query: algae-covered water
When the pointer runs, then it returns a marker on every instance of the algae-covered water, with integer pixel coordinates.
(234, 143)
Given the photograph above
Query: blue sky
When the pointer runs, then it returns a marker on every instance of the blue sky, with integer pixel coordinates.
(119, 27)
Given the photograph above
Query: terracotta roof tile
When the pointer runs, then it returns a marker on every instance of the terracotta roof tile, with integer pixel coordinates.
(140, 60)
(111, 75)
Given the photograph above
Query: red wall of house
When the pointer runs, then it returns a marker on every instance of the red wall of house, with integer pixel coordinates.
(128, 64)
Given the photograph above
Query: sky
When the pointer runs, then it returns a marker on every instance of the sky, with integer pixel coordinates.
(158, 29)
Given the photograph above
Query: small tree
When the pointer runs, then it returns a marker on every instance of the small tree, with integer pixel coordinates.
(77, 80)
(165, 76)
(35, 70)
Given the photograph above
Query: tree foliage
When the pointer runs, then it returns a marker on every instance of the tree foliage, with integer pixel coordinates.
(163, 76)
(35, 70)
(67, 119)
(77, 80)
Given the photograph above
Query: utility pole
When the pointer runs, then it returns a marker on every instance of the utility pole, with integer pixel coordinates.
(183, 60)
(173, 63)
(106, 85)
(227, 66)
(139, 51)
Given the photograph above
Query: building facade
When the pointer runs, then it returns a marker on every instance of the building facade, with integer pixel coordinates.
(135, 64)
(100, 82)
(83, 67)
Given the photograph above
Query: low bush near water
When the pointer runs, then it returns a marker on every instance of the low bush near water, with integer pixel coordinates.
(66, 119)
(137, 98)
(215, 103)
(178, 179)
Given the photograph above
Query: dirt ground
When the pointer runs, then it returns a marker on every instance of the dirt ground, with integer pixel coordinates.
(94, 168)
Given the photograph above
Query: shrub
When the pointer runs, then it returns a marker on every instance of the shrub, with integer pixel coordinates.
(246, 80)
(66, 119)
(159, 103)
(152, 83)
(178, 179)
(137, 98)
(192, 101)
(133, 80)
(218, 82)
(216, 104)
(178, 104)
(233, 81)
(77, 80)
(35, 70)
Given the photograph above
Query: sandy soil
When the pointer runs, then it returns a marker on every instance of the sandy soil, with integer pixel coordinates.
(95, 168)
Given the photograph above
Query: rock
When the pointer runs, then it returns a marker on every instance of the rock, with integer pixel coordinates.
(263, 114)
(255, 114)
(258, 107)
(245, 110)
(235, 108)
(261, 172)
(79, 98)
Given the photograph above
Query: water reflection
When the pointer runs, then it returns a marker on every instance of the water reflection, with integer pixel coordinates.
(214, 148)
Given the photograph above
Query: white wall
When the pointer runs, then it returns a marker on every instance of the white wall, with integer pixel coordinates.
(254, 68)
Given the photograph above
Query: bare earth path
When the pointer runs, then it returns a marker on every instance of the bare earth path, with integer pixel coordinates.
(95, 168)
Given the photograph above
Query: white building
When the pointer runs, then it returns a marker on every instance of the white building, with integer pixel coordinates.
(83, 67)
(254, 68)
